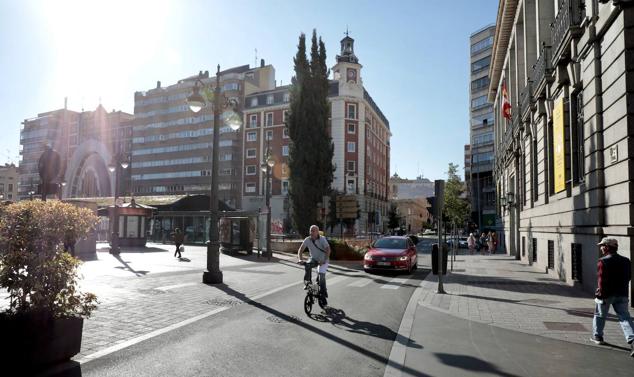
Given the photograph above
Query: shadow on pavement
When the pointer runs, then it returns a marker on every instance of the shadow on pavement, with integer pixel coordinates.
(126, 266)
(183, 259)
(471, 363)
(66, 369)
(521, 286)
(354, 347)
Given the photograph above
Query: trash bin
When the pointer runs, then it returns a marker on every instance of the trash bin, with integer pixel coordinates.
(434, 259)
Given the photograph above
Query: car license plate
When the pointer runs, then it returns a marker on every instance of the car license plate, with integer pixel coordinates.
(383, 263)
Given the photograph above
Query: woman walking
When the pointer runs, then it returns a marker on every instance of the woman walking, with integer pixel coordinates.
(471, 243)
(490, 243)
(179, 237)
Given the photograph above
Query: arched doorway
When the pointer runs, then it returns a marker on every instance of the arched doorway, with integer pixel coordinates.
(87, 172)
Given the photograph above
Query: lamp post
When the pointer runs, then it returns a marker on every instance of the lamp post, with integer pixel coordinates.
(196, 102)
(266, 168)
(118, 162)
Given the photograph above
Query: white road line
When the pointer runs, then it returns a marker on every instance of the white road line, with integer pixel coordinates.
(168, 287)
(155, 333)
(336, 280)
(396, 361)
(361, 282)
(395, 283)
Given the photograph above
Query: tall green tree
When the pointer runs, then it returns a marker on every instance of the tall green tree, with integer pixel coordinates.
(456, 208)
(311, 148)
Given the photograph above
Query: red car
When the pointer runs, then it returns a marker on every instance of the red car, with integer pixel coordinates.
(391, 253)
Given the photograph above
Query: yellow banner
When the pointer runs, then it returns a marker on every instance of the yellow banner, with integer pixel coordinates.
(558, 145)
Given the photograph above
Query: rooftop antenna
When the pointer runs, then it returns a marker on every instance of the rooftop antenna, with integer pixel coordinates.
(255, 61)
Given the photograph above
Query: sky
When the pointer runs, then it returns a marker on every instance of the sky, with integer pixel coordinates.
(415, 57)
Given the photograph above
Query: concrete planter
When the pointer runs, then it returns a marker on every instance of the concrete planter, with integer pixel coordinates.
(35, 341)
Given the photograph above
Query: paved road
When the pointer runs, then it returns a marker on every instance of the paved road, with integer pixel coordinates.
(271, 336)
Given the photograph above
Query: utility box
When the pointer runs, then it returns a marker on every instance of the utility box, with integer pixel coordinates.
(434, 259)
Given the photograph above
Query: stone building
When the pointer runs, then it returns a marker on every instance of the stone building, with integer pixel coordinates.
(9, 182)
(360, 134)
(563, 165)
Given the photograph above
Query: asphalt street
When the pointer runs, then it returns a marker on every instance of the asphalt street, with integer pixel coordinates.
(272, 336)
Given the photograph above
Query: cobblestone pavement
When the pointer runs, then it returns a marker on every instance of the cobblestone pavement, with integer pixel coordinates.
(148, 289)
(501, 291)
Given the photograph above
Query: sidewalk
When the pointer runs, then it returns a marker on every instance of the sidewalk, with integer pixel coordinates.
(468, 330)
(501, 291)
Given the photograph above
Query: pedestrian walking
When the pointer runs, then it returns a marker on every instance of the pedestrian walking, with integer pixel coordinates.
(471, 243)
(495, 241)
(179, 238)
(490, 246)
(613, 277)
(483, 243)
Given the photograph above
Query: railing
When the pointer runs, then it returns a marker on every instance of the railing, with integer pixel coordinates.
(542, 69)
(526, 98)
(569, 17)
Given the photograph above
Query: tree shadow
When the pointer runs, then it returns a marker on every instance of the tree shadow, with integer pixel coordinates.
(127, 267)
(471, 363)
(308, 327)
(521, 286)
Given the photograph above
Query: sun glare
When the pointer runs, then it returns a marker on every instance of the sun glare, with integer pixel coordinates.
(96, 46)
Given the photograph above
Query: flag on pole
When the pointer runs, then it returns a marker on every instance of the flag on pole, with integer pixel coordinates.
(506, 105)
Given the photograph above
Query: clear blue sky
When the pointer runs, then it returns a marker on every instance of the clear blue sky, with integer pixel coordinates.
(415, 57)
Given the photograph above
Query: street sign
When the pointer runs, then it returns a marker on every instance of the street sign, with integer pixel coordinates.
(347, 206)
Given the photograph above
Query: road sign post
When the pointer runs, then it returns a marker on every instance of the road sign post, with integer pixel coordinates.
(439, 193)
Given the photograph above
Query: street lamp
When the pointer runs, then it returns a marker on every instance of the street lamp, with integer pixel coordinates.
(266, 168)
(196, 101)
(118, 162)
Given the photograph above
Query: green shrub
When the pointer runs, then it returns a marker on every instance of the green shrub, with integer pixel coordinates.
(34, 268)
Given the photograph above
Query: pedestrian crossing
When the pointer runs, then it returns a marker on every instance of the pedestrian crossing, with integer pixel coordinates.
(360, 281)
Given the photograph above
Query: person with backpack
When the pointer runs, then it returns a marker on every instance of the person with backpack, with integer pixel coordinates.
(319, 255)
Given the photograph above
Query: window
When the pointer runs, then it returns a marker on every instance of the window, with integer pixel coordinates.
(351, 186)
(576, 261)
(287, 97)
(226, 157)
(268, 120)
(251, 153)
(269, 99)
(285, 150)
(284, 187)
(10, 186)
(254, 101)
(285, 133)
(269, 135)
(479, 84)
(251, 169)
(226, 172)
(253, 121)
(352, 128)
(352, 146)
(252, 136)
(231, 86)
(483, 139)
(284, 170)
(351, 166)
(479, 102)
(481, 64)
(482, 120)
(481, 45)
(578, 153)
(285, 116)
(351, 111)
(250, 187)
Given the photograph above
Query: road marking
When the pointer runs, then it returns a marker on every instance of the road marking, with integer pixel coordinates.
(155, 333)
(336, 280)
(396, 361)
(168, 287)
(395, 283)
(361, 282)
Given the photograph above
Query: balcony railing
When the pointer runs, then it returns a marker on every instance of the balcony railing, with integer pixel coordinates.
(571, 13)
(526, 99)
(542, 69)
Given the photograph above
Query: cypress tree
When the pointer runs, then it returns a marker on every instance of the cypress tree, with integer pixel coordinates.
(311, 149)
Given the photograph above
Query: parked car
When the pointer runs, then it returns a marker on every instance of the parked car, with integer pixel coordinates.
(391, 253)
(461, 242)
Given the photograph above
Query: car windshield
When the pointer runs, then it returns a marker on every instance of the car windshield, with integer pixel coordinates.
(391, 243)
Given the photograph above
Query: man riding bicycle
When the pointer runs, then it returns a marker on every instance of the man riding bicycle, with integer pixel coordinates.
(319, 252)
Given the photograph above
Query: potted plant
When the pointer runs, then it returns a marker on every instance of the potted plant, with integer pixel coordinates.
(43, 322)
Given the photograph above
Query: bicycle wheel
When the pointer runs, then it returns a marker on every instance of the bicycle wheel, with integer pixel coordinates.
(308, 304)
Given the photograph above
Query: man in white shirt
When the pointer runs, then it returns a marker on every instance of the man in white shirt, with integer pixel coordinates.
(319, 252)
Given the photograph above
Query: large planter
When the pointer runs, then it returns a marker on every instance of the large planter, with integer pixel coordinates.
(36, 340)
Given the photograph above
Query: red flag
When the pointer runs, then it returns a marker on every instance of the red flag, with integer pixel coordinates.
(506, 105)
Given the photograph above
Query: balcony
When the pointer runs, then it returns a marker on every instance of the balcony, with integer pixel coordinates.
(542, 71)
(526, 100)
(566, 25)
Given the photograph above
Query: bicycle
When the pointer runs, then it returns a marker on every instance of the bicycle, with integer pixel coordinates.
(313, 291)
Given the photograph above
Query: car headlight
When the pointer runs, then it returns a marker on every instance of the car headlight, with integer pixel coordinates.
(404, 257)
(367, 256)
